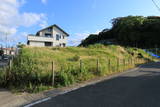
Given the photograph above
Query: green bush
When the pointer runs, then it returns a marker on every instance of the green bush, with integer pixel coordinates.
(64, 78)
(96, 46)
(75, 58)
(2, 78)
(1, 52)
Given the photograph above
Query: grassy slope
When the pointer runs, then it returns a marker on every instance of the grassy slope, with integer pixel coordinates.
(31, 71)
(64, 57)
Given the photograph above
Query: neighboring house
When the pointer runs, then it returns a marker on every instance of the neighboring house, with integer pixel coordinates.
(9, 51)
(50, 37)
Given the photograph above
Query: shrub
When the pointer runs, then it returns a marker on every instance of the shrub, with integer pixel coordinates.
(1, 52)
(75, 58)
(64, 78)
(96, 46)
(2, 78)
(56, 48)
(140, 55)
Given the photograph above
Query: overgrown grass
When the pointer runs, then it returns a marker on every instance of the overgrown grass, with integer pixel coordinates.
(32, 69)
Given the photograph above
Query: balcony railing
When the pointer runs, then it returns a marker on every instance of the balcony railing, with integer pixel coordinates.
(40, 38)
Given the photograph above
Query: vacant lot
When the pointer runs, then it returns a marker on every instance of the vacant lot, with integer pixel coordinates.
(32, 69)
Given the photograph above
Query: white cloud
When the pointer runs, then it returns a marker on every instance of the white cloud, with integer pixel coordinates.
(21, 36)
(82, 35)
(44, 1)
(78, 37)
(43, 23)
(12, 39)
(30, 19)
(11, 18)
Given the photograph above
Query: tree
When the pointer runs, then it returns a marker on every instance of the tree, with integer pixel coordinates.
(20, 45)
(1, 52)
(139, 31)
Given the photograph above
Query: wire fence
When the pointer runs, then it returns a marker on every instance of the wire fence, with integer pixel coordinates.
(54, 74)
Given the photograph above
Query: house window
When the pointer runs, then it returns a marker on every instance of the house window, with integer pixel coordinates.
(57, 37)
(28, 42)
(38, 34)
(49, 29)
(63, 36)
(48, 43)
(64, 45)
(48, 35)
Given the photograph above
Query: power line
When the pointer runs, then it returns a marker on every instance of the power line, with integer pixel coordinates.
(156, 5)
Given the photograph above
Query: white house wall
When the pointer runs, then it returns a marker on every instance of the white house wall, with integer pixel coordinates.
(36, 44)
(57, 42)
(39, 41)
(42, 33)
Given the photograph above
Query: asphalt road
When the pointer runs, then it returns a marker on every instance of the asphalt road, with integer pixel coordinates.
(3, 63)
(139, 88)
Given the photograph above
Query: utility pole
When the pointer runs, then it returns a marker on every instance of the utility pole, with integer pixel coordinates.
(1, 43)
(156, 49)
(6, 42)
(6, 34)
(6, 38)
(156, 5)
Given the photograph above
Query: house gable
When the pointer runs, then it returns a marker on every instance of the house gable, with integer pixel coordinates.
(52, 27)
(50, 36)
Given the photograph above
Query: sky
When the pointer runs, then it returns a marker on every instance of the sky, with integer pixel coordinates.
(79, 18)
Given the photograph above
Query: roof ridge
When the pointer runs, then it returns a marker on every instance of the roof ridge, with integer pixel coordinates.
(54, 25)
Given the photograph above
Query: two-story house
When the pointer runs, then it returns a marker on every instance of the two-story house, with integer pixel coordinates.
(50, 37)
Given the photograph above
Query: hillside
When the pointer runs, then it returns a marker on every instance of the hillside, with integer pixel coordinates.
(32, 69)
(133, 31)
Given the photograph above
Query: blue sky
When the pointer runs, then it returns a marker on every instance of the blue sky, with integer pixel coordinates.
(77, 17)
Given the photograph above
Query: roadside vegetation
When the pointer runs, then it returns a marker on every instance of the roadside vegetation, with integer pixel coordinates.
(32, 71)
(132, 31)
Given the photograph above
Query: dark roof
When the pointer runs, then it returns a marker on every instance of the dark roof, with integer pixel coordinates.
(56, 27)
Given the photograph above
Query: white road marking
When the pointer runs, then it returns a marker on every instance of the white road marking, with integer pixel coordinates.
(37, 102)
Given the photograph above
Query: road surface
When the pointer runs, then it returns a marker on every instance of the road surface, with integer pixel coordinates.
(3, 64)
(139, 88)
